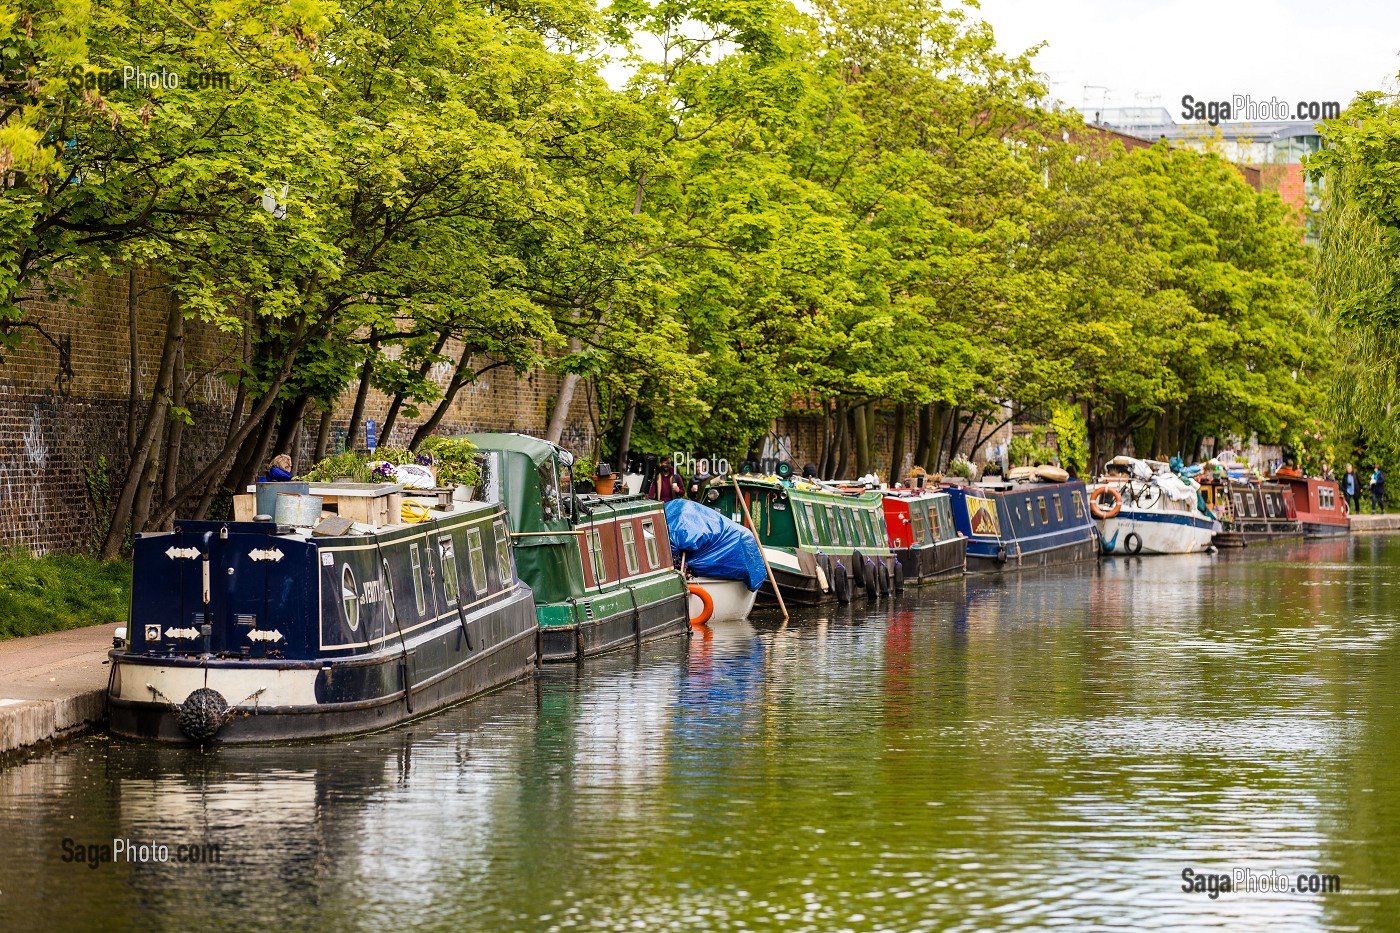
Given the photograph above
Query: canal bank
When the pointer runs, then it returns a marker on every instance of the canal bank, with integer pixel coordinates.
(52, 686)
(1361, 524)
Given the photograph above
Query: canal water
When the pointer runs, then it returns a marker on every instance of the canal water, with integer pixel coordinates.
(1048, 750)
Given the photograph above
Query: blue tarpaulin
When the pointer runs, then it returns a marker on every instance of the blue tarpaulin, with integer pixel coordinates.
(714, 546)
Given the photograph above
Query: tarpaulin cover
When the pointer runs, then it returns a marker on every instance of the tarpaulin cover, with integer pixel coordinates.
(714, 546)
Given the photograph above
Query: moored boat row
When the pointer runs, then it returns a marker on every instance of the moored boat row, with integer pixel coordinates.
(351, 606)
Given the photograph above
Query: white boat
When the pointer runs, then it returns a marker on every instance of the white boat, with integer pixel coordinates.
(1142, 507)
(729, 600)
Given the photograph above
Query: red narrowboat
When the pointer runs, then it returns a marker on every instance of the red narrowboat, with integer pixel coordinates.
(1321, 507)
(922, 534)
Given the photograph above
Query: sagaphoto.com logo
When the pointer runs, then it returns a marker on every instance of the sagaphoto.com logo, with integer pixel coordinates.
(136, 78)
(1243, 108)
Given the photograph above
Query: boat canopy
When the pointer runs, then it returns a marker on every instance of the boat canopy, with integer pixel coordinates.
(713, 545)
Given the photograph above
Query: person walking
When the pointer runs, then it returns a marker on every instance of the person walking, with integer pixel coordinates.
(667, 484)
(1377, 491)
(1351, 489)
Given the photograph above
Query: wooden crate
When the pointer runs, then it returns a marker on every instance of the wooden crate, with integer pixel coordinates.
(375, 511)
(245, 507)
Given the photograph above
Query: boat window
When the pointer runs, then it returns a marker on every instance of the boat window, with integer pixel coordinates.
(476, 558)
(1078, 506)
(869, 519)
(1059, 508)
(649, 538)
(549, 491)
(504, 571)
(1326, 497)
(1030, 516)
(349, 597)
(595, 547)
(447, 557)
(1269, 505)
(388, 586)
(629, 546)
(799, 516)
(916, 523)
(838, 533)
(1044, 512)
(416, 560)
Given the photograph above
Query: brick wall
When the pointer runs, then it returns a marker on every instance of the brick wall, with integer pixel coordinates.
(63, 406)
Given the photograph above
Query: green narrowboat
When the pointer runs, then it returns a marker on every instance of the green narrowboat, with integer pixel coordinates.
(600, 566)
(821, 544)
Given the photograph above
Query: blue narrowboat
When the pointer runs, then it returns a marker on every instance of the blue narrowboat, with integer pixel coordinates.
(1015, 525)
(254, 631)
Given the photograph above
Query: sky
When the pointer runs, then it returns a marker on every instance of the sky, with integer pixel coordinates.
(1122, 53)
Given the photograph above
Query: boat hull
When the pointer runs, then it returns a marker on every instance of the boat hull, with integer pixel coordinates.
(1157, 533)
(732, 599)
(802, 585)
(1243, 534)
(622, 621)
(946, 560)
(1326, 529)
(1047, 557)
(278, 700)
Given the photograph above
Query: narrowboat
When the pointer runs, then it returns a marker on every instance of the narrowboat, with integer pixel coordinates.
(1251, 511)
(1015, 525)
(821, 544)
(1142, 507)
(923, 535)
(1319, 504)
(249, 631)
(599, 565)
(720, 558)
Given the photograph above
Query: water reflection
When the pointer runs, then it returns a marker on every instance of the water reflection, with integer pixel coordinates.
(1048, 749)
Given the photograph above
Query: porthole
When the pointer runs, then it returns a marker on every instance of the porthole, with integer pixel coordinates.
(350, 597)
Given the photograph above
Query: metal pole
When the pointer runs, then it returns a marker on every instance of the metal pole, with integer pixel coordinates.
(748, 520)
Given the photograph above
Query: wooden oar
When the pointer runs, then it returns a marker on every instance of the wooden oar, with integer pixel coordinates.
(748, 520)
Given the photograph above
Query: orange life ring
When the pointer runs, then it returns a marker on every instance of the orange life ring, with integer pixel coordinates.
(707, 604)
(1099, 511)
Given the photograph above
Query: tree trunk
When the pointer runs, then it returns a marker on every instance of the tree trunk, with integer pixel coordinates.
(460, 377)
(861, 438)
(205, 480)
(133, 320)
(896, 471)
(141, 508)
(290, 428)
(841, 454)
(323, 433)
(872, 437)
(150, 433)
(560, 416)
(357, 413)
(176, 432)
(258, 453)
(624, 445)
(397, 404)
(922, 435)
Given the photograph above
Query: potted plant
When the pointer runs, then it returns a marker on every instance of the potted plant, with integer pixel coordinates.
(603, 479)
(457, 465)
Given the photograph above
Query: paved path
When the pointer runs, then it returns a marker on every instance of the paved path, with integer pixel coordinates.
(52, 686)
(1368, 522)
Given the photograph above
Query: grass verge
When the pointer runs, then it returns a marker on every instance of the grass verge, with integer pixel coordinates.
(50, 594)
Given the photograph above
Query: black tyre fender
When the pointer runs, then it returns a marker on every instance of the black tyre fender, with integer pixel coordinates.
(841, 583)
(858, 568)
(824, 562)
(898, 576)
(872, 579)
(1001, 554)
(1133, 543)
(884, 573)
